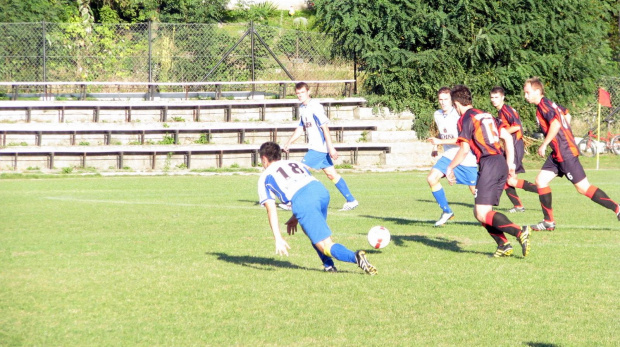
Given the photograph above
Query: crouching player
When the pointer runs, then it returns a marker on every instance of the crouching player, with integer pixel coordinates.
(290, 181)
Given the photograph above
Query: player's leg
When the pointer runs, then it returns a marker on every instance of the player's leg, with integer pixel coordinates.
(512, 195)
(491, 181)
(434, 176)
(548, 172)
(342, 187)
(597, 195)
(504, 249)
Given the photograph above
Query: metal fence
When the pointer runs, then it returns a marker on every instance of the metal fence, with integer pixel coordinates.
(164, 52)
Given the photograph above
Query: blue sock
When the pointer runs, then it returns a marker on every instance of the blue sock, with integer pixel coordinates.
(440, 197)
(327, 261)
(344, 189)
(342, 253)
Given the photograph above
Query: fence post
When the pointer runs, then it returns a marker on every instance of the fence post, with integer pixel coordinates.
(150, 53)
(44, 55)
(253, 56)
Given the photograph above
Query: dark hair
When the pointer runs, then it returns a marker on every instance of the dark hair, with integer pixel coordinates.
(536, 83)
(443, 90)
(300, 85)
(271, 151)
(461, 94)
(498, 89)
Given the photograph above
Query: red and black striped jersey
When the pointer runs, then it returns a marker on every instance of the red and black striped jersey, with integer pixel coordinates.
(509, 118)
(480, 130)
(563, 145)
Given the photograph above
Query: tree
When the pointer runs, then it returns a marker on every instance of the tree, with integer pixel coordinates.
(410, 48)
(21, 11)
(166, 11)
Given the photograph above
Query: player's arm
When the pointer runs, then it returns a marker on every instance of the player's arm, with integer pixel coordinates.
(458, 158)
(513, 129)
(328, 141)
(296, 134)
(272, 214)
(509, 148)
(554, 128)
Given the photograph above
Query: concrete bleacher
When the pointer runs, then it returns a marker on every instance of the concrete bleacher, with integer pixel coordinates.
(192, 134)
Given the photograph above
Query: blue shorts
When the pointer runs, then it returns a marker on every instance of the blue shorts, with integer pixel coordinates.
(310, 207)
(317, 160)
(467, 175)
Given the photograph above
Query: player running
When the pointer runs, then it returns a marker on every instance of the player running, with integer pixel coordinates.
(511, 121)
(564, 157)
(321, 150)
(446, 119)
(478, 132)
(290, 181)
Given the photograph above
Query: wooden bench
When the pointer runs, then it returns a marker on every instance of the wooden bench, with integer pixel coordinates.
(96, 107)
(83, 153)
(107, 133)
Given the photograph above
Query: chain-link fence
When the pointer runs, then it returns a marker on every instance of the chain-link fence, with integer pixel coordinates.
(164, 52)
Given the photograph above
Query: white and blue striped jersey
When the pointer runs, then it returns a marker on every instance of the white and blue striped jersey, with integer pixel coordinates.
(312, 116)
(282, 179)
(448, 129)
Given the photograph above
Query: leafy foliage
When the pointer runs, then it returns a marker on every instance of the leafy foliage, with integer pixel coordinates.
(410, 48)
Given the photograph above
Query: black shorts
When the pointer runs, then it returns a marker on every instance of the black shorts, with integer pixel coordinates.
(519, 153)
(492, 176)
(571, 168)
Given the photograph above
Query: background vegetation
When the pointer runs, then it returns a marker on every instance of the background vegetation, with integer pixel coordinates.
(404, 49)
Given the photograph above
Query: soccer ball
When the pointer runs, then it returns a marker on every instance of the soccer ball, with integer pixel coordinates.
(378, 237)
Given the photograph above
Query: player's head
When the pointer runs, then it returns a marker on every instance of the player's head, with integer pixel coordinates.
(302, 91)
(533, 90)
(445, 101)
(269, 152)
(497, 97)
(461, 94)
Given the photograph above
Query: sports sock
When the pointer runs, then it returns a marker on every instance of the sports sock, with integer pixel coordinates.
(344, 189)
(599, 196)
(440, 197)
(527, 186)
(342, 253)
(502, 223)
(327, 261)
(497, 235)
(511, 192)
(544, 195)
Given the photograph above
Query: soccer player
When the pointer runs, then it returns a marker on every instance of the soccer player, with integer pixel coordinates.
(511, 121)
(478, 132)
(466, 173)
(290, 181)
(564, 157)
(321, 150)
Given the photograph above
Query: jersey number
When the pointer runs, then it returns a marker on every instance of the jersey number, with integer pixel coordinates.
(490, 130)
(294, 167)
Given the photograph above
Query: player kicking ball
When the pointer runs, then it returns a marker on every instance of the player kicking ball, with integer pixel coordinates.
(478, 132)
(290, 181)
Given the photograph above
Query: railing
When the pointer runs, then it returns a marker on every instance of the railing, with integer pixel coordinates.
(150, 91)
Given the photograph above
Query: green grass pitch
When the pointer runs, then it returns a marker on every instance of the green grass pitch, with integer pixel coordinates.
(188, 260)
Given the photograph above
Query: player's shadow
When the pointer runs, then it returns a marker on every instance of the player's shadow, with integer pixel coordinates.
(253, 202)
(451, 203)
(541, 344)
(438, 242)
(421, 222)
(261, 263)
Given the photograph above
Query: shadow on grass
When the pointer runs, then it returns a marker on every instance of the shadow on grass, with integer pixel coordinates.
(253, 202)
(420, 222)
(451, 203)
(261, 263)
(541, 344)
(438, 242)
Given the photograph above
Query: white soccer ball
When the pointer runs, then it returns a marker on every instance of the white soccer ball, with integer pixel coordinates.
(378, 237)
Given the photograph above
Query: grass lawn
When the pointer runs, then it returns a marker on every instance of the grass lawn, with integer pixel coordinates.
(169, 260)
